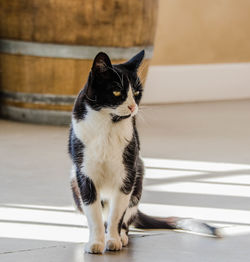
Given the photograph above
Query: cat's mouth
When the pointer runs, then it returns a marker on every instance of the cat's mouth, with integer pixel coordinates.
(116, 118)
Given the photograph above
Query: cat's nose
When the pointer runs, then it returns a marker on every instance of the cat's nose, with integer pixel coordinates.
(132, 108)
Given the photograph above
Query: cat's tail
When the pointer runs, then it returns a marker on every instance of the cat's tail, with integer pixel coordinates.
(143, 221)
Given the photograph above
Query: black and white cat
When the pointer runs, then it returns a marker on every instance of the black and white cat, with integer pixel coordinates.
(104, 146)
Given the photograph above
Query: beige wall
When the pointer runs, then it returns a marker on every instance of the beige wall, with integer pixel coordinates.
(202, 31)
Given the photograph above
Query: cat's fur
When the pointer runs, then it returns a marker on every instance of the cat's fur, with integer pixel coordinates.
(104, 146)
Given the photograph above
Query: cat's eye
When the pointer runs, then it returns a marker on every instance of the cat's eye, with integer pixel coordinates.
(116, 93)
(136, 93)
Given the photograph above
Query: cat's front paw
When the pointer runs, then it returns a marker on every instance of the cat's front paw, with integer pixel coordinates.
(114, 244)
(95, 247)
(124, 238)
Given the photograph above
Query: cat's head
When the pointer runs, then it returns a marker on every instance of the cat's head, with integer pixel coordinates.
(115, 89)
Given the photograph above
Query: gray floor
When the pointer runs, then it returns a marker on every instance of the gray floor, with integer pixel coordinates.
(198, 165)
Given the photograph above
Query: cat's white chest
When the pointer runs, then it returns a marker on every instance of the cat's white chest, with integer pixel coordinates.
(104, 145)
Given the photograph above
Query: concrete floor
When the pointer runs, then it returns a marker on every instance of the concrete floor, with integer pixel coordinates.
(198, 165)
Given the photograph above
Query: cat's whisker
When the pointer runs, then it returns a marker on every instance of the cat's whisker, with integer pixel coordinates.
(142, 68)
(137, 81)
(140, 116)
(122, 78)
(144, 107)
(143, 79)
(93, 100)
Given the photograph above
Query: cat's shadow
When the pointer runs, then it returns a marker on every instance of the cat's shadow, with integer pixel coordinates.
(108, 256)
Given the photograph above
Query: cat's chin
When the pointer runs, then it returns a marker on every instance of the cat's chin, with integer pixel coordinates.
(116, 118)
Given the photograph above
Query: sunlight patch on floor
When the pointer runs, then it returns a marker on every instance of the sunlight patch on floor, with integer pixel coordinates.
(43, 232)
(193, 165)
(43, 225)
(51, 223)
(238, 179)
(42, 216)
(57, 223)
(154, 173)
(201, 188)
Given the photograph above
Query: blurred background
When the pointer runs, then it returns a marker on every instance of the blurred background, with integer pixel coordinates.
(197, 51)
(194, 122)
(202, 50)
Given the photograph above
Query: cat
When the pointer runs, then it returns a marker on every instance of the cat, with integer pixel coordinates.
(104, 146)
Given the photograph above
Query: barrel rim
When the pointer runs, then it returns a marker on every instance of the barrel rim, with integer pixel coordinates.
(18, 47)
(38, 98)
(49, 117)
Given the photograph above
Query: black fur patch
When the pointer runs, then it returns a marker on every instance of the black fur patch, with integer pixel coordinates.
(120, 222)
(131, 220)
(79, 110)
(137, 189)
(101, 85)
(106, 226)
(136, 133)
(116, 118)
(130, 155)
(144, 221)
(87, 188)
(125, 226)
(75, 148)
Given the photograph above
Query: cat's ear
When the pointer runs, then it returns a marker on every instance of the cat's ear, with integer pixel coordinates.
(101, 63)
(134, 63)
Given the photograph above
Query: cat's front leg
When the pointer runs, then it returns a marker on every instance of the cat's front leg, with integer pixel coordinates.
(93, 211)
(118, 206)
(96, 244)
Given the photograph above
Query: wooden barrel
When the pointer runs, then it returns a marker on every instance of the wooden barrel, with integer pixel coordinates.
(47, 48)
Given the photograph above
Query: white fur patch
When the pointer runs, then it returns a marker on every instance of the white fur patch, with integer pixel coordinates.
(104, 143)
